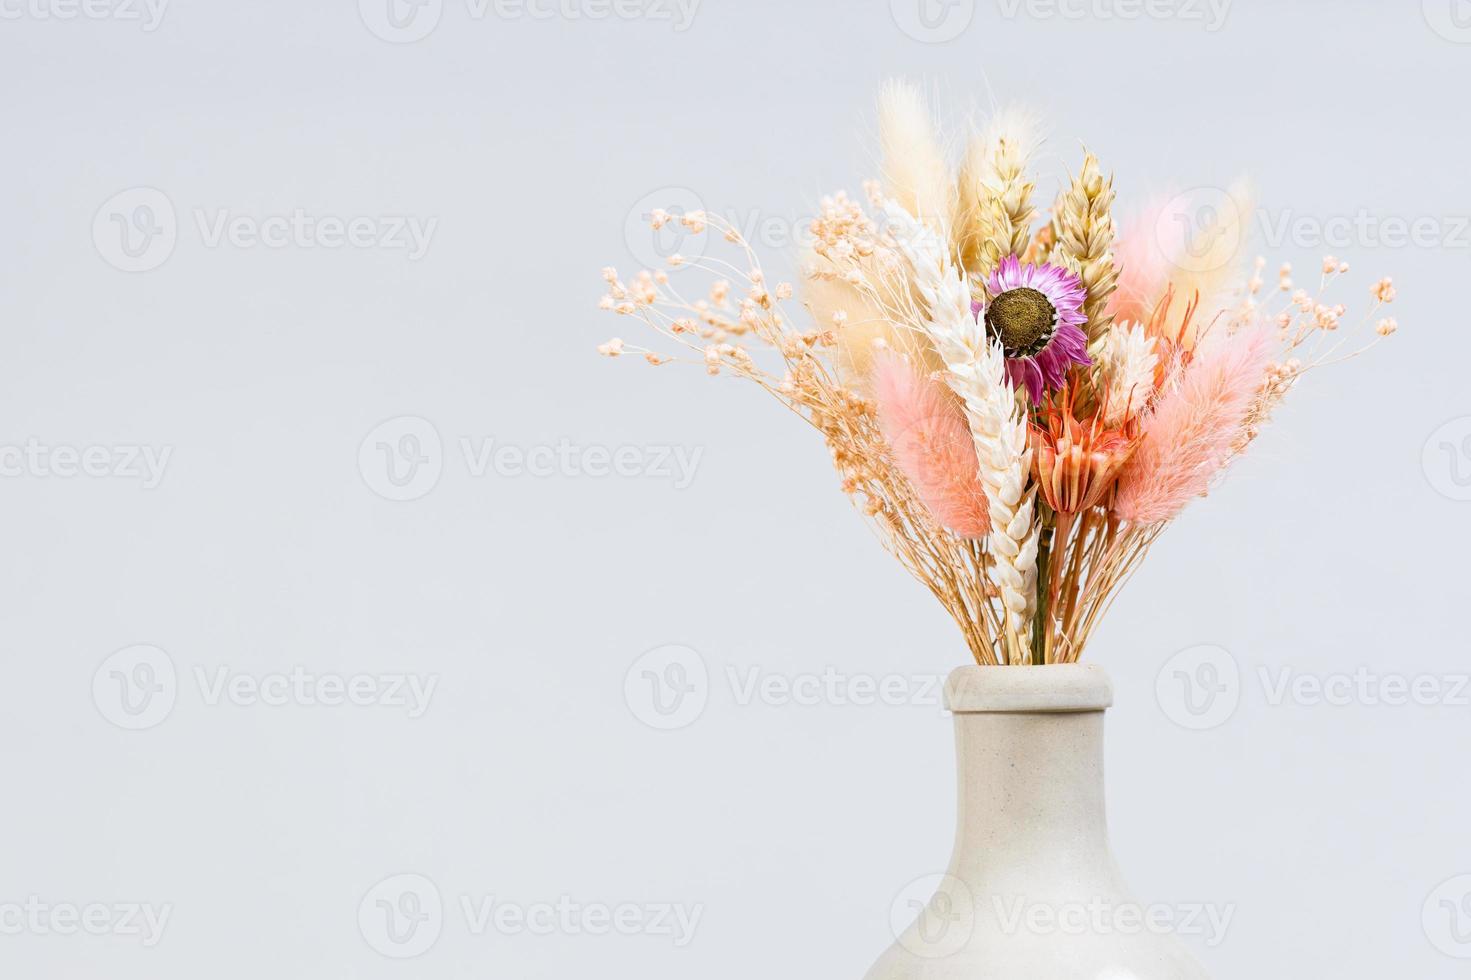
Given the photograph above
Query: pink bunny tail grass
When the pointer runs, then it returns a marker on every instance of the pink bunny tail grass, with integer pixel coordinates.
(1144, 268)
(931, 443)
(1189, 438)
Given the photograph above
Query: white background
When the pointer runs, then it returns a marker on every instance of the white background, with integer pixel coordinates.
(268, 543)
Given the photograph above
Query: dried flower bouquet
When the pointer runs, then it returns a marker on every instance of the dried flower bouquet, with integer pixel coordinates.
(1020, 410)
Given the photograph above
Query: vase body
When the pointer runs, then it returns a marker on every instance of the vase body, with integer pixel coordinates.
(1032, 891)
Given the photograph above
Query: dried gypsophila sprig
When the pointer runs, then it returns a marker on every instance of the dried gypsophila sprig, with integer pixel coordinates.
(954, 569)
(1310, 332)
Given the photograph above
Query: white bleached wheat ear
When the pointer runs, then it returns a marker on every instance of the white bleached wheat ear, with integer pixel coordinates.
(1126, 366)
(976, 371)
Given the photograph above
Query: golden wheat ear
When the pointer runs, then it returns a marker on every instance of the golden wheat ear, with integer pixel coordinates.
(993, 211)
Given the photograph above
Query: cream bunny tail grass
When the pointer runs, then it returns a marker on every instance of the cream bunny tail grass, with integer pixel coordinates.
(915, 172)
(994, 203)
(1207, 249)
(1084, 243)
(977, 373)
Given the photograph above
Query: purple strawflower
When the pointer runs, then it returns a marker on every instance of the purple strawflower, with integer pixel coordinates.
(1036, 314)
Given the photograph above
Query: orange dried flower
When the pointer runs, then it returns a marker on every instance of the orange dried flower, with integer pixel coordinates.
(1076, 462)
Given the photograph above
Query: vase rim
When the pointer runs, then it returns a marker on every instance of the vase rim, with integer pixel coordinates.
(979, 689)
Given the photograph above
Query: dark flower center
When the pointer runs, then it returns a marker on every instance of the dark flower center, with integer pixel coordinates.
(1023, 320)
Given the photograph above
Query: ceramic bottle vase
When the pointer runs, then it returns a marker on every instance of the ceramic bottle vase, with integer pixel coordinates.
(1032, 891)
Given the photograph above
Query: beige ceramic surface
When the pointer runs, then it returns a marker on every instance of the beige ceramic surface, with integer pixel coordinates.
(1032, 873)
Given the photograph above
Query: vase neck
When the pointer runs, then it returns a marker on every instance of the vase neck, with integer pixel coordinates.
(1030, 764)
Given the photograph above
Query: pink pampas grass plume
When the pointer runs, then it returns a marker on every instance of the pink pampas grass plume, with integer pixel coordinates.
(932, 445)
(1189, 437)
